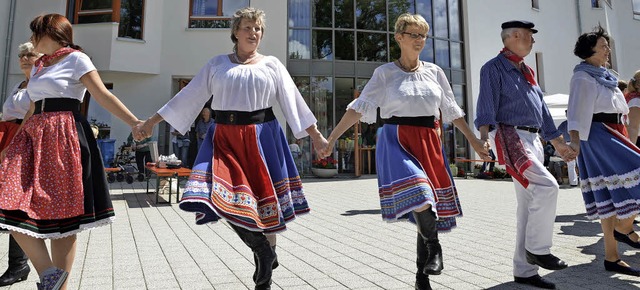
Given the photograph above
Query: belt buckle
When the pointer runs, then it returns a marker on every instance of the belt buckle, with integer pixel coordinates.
(42, 105)
(232, 118)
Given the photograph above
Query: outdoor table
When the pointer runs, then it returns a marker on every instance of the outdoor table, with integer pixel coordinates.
(178, 173)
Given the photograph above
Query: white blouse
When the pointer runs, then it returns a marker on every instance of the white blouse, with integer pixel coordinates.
(17, 105)
(588, 97)
(424, 92)
(237, 87)
(61, 80)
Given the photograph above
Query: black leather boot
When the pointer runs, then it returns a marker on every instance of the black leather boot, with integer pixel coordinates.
(264, 254)
(255, 261)
(18, 267)
(422, 280)
(426, 221)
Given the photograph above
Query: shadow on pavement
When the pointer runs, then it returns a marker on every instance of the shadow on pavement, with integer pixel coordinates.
(359, 212)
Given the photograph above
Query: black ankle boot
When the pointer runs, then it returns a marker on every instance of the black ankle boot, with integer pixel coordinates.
(426, 221)
(18, 268)
(422, 280)
(255, 261)
(265, 257)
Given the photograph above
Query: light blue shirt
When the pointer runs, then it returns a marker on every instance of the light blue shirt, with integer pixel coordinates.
(506, 97)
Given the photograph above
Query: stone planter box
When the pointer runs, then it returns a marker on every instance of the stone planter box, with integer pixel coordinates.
(324, 172)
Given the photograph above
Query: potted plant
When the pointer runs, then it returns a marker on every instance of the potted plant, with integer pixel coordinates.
(325, 167)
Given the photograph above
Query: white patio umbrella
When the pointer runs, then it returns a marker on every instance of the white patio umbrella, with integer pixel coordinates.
(557, 104)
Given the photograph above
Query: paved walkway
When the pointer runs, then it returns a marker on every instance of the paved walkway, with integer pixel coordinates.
(341, 244)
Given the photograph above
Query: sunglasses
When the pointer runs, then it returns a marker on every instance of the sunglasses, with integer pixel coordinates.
(415, 35)
(28, 55)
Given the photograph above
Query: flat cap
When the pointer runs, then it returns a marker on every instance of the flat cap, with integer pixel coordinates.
(519, 24)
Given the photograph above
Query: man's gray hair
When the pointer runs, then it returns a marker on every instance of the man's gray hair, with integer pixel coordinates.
(506, 33)
(25, 47)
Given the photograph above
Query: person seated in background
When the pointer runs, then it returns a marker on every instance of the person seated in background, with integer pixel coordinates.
(143, 152)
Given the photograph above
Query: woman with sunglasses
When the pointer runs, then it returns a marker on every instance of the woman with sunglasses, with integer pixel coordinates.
(13, 111)
(413, 173)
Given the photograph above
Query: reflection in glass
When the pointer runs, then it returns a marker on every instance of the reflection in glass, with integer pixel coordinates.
(204, 7)
(299, 44)
(321, 14)
(427, 51)
(344, 96)
(345, 48)
(322, 44)
(394, 49)
(344, 13)
(94, 18)
(397, 7)
(371, 15)
(372, 46)
(458, 92)
(440, 26)
(423, 7)
(321, 102)
(229, 7)
(442, 53)
(454, 19)
(96, 4)
(303, 162)
(299, 13)
(456, 54)
(130, 25)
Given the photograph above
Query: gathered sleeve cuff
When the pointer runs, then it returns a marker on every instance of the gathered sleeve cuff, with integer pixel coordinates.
(366, 108)
(582, 97)
(296, 111)
(185, 106)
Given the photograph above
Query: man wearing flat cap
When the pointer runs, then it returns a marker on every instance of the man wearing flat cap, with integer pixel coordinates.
(510, 115)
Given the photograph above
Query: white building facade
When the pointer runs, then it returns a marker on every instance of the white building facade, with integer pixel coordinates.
(146, 51)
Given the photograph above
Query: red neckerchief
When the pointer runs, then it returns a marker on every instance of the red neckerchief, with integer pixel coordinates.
(630, 96)
(524, 68)
(47, 58)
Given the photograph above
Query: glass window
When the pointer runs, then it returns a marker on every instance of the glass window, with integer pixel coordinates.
(394, 49)
(213, 13)
(454, 20)
(322, 14)
(344, 13)
(440, 19)
(131, 19)
(95, 4)
(93, 11)
(636, 9)
(303, 161)
(423, 7)
(372, 46)
(595, 3)
(299, 44)
(321, 103)
(299, 13)
(322, 44)
(427, 53)
(371, 15)
(456, 54)
(397, 7)
(535, 4)
(442, 53)
(458, 92)
(345, 45)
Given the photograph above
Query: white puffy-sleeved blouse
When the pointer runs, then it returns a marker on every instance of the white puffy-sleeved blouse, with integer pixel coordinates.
(61, 80)
(424, 92)
(237, 87)
(588, 97)
(17, 105)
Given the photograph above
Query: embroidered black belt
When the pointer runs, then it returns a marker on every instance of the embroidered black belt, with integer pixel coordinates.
(607, 118)
(422, 121)
(244, 118)
(57, 105)
(17, 121)
(529, 129)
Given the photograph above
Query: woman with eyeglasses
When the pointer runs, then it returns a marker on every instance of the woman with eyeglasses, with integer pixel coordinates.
(244, 172)
(414, 179)
(13, 111)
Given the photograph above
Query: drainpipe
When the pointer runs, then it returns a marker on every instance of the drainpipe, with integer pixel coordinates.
(7, 54)
(579, 16)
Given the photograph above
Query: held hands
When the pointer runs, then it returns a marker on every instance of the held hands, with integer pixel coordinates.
(481, 147)
(567, 152)
(142, 130)
(320, 144)
(328, 150)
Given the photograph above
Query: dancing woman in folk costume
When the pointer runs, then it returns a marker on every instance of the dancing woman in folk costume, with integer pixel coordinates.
(413, 173)
(244, 171)
(52, 183)
(609, 163)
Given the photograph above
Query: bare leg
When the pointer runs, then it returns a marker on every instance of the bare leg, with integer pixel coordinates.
(63, 251)
(610, 244)
(35, 249)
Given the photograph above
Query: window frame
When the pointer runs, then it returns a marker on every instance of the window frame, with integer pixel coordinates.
(220, 16)
(114, 12)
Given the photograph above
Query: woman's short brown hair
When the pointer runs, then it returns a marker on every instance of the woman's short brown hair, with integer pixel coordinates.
(250, 13)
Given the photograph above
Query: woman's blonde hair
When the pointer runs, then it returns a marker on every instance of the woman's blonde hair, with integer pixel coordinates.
(408, 19)
(634, 83)
(250, 13)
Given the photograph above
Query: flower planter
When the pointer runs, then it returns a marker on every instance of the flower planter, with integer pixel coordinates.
(324, 172)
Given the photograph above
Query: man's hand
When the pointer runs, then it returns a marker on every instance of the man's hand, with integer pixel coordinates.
(481, 147)
(568, 153)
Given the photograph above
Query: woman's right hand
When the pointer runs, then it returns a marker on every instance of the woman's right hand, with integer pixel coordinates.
(328, 150)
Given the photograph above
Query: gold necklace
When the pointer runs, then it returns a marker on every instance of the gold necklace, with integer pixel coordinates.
(407, 69)
(246, 61)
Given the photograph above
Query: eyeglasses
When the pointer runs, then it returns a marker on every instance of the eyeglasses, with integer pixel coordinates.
(415, 35)
(28, 55)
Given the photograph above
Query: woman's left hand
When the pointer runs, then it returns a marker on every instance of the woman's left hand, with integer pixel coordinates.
(319, 144)
(481, 147)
